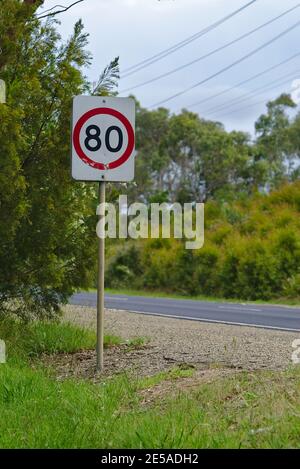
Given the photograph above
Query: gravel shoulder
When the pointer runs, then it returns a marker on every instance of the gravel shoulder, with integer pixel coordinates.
(172, 342)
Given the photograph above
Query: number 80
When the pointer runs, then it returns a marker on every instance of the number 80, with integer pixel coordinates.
(93, 133)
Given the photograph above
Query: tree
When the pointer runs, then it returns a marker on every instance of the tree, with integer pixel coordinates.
(275, 141)
(152, 159)
(294, 157)
(47, 230)
(184, 158)
(208, 160)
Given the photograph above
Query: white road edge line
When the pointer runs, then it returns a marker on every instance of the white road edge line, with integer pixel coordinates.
(236, 308)
(115, 299)
(214, 321)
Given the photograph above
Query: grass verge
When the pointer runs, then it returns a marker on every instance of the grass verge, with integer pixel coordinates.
(245, 410)
(32, 339)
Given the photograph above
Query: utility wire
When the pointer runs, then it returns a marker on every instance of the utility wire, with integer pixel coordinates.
(241, 83)
(154, 58)
(245, 96)
(252, 104)
(228, 67)
(209, 54)
(46, 13)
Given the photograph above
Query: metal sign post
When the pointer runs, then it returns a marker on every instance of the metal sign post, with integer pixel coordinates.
(103, 149)
(100, 283)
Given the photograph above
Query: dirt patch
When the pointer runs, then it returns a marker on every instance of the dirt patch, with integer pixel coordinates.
(173, 387)
(210, 349)
(136, 362)
(174, 342)
(141, 362)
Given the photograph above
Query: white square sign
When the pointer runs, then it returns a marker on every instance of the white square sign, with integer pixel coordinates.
(103, 138)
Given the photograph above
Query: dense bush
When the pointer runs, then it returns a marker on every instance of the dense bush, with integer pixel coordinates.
(251, 251)
(47, 221)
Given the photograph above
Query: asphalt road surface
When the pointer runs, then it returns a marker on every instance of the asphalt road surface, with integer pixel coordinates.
(266, 316)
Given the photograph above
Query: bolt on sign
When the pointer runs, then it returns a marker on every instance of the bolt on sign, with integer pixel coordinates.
(103, 141)
(103, 149)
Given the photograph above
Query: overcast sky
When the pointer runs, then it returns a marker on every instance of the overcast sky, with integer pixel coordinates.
(135, 30)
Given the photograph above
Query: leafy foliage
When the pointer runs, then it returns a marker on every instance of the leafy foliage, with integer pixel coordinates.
(251, 251)
(108, 80)
(185, 158)
(47, 230)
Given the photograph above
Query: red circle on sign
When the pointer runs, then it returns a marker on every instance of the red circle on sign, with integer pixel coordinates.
(111, 112)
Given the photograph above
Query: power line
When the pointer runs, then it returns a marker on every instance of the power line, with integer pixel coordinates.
(228, 67)
(253, 93)
(241, 83)
(209, 54)
(147, 62)
(252, 104)
(46, 14)
(244, 97)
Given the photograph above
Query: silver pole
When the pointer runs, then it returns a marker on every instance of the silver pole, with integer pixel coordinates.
(100, 284)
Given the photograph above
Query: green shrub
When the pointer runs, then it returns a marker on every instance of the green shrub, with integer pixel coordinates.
(207, 270)
(249, 271)
(291, 287)
(125, 267)
(251, 251)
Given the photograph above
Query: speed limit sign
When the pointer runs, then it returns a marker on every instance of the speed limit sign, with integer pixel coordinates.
(103, 149)
(103, 138)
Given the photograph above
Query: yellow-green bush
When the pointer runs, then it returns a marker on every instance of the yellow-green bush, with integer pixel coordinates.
(251, 251)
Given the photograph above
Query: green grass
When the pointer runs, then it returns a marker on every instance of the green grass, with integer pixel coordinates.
(159, 294)
(136, 342)
(171, 375)
(248, 410)
(32, 339)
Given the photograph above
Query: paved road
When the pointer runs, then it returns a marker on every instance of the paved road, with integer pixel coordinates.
(266, 316)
